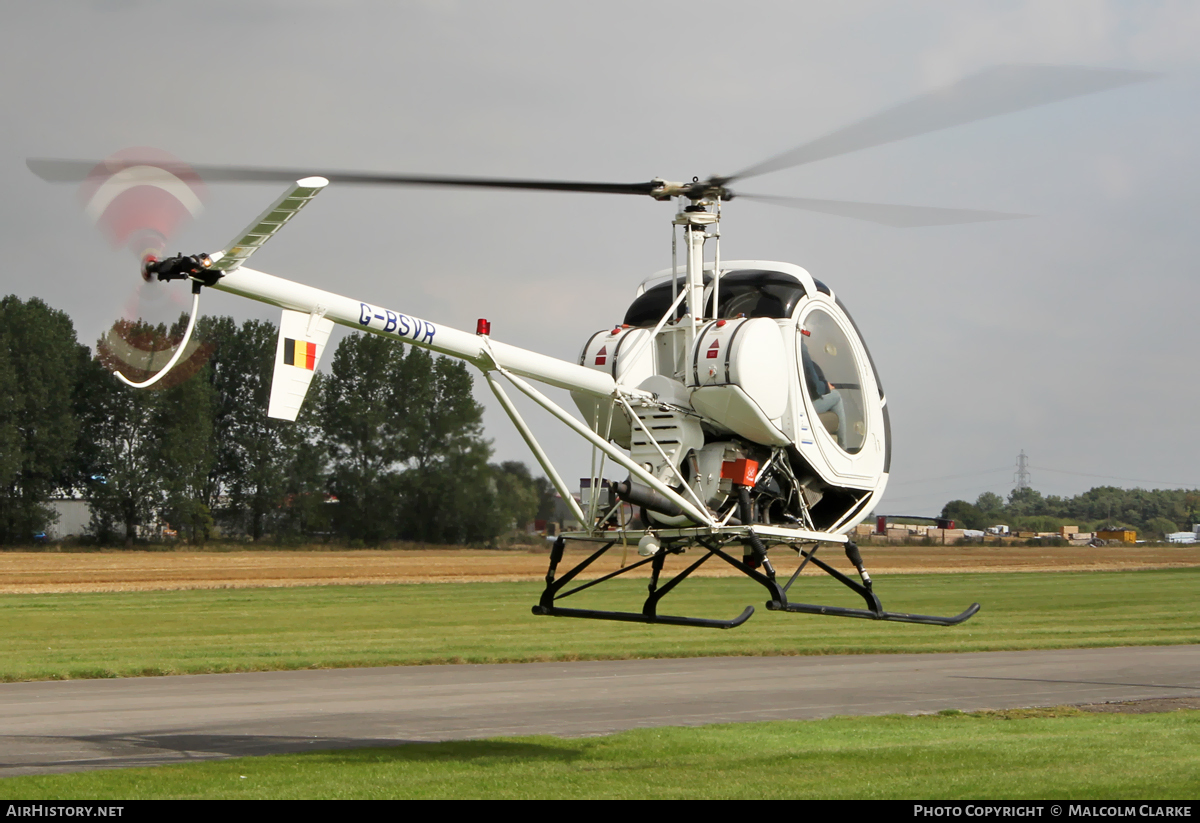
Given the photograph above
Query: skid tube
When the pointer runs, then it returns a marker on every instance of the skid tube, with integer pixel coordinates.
(778, 594)
(874, 610)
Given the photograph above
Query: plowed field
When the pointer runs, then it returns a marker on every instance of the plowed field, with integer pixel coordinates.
(46, 572)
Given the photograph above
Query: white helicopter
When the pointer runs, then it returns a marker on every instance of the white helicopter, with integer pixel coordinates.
(738, 396)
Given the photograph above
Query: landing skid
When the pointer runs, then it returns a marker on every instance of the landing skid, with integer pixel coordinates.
(898, 617)
(712, 543)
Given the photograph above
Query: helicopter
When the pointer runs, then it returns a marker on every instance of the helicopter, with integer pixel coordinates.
(738, 397)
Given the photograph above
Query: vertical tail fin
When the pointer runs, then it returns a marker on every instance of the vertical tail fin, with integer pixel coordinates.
(302, 339)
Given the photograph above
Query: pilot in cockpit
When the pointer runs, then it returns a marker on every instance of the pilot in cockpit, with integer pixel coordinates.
(825, 398)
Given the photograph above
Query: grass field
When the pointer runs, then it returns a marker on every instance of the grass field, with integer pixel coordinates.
(54, 636)
(1036, 754)
(1064, 753)
(225, 566)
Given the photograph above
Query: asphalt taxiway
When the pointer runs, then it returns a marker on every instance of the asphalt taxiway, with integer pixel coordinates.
(50, 727)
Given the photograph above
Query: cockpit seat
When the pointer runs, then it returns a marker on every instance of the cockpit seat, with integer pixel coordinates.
(830, 421)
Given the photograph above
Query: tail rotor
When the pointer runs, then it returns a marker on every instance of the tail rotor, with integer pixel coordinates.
(140, 199)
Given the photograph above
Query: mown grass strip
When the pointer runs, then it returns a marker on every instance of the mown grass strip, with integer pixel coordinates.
(1043, 754)
(61, 636)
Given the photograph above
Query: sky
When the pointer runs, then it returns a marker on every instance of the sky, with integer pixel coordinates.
(1070, 335)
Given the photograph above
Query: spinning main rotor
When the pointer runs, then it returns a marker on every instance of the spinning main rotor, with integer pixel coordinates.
(995, 91)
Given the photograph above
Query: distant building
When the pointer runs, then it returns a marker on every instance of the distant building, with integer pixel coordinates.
(1122, 535)
(564, 516)
(74, 517)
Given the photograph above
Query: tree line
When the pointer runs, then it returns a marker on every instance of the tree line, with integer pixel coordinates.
(389, 445)
(1152, 514)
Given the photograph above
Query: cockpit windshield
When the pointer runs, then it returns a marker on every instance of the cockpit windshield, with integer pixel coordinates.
(831, 374)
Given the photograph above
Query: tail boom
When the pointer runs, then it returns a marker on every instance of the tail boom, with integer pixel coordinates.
(477, 349)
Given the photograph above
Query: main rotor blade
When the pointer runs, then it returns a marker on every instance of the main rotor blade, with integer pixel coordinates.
(901, 217)
(992, 92)
(75, 171)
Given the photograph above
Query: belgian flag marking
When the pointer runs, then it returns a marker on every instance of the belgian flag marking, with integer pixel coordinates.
(299, 353)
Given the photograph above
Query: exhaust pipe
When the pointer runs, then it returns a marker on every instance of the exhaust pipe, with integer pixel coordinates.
(638, 495)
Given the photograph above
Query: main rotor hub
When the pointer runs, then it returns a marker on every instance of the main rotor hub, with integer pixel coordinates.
(711, 189)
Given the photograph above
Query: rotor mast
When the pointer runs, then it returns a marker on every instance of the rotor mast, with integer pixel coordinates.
(700, 220)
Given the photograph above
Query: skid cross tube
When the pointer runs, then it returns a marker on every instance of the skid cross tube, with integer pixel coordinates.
(600, 580)
(649, 614)
(807, 557)
(768, 583)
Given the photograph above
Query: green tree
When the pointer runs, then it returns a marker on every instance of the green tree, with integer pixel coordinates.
(10, 434)
(1025, 502)
(547, 495)
(126, 490)
(1157, 528)
(253, 453)
(964, 514)
(182, 425)
(151, 449)
(1149, 512)
(404, 438)
(1190, 507)
(450, 493)
(362, 410)
(306, 511)
(517, 499)
(989, 502)
(38, 426)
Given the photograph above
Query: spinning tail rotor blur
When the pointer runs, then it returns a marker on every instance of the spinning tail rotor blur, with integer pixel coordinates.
(141, 199)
